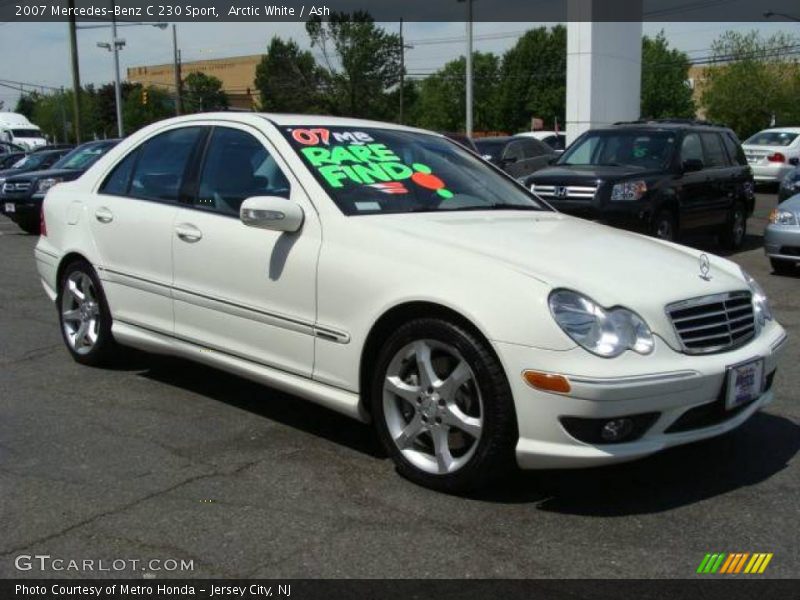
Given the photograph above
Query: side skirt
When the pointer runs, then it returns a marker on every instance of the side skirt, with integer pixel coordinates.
(342, 401)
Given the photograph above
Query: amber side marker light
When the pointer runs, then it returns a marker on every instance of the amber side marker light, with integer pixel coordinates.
(547, 381)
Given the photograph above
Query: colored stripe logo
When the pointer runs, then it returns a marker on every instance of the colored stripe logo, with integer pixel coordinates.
(735, 563)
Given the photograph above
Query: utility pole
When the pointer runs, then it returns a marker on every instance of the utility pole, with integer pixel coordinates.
(177, 69)
(402, 70)
(76, 77)
(469, 68)
(115, 43)
(63, 114)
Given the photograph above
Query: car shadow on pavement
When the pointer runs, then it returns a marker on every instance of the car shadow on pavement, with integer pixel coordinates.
(710, 244)
(260, 400)
(680, 476)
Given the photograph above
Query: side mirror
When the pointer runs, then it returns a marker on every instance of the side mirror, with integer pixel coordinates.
(692, 164)
(271, 212)
(794, 161)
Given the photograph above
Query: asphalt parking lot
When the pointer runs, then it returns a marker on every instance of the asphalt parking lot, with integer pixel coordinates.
(162, 459)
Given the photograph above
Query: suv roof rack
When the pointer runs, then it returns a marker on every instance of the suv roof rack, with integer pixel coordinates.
(671, 121)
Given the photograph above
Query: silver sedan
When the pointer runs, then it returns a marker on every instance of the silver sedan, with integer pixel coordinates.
(782, 235)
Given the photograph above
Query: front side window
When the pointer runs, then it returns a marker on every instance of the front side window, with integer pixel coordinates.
(379, 171)
(641, 149)
(237, 166)
(692, 149)
(161, 167)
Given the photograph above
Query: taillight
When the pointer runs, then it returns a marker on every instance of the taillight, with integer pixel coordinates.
(42, 224)
(777, 157)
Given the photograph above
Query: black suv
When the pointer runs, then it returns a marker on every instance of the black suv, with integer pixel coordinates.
(660, 177)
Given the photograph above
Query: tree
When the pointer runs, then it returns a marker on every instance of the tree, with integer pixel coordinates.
(756, 81)
(26, 103)
(362, 62)
(442, 105)
(289, 80)
(533, 80)
(138, 112)
(665, 75)
(105, 112)
(204, 93)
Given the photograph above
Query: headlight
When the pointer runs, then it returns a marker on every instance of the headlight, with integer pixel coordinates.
(605, 332)
(761, 308)
(779, 216)
(46, 184)
(628, 190)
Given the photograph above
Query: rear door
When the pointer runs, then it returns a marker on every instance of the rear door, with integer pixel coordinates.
(722, 179)
(132, 222)
(694, 189)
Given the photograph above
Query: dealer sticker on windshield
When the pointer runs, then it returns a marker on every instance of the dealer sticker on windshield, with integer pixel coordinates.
(745, 383)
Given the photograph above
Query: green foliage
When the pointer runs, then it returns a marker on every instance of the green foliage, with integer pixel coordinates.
(289, 80)
(26, 103)
(203, 93)
(756, 81)
(442, 105)
(136, 115)
(533, 80)
(362, 62)
(665, 73)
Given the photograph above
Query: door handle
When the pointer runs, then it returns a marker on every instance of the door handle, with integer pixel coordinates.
(103, 215)
(188, 233)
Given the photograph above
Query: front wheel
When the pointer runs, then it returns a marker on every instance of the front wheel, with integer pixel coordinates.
(84, 315)
(442, 406)
(665, 225)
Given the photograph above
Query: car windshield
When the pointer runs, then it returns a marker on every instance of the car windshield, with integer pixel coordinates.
(26, 133)
(378, 171)
(490, 147)
(772, 138)
(641, 149)
(31, 161)
(82, 157)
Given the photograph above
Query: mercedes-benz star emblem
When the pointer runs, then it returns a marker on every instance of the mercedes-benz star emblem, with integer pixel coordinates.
(705, 267)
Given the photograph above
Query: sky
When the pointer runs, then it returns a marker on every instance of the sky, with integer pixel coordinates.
(38, 53)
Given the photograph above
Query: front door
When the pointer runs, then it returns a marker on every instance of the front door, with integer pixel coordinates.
(245, 291)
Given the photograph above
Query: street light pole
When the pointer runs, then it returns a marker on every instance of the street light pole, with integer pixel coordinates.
(116, 44)
(176, 67)
(469, 68)
(76, 77)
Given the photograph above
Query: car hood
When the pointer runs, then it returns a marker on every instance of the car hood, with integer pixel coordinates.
(612, 266)
(65, 174)
(584, 173)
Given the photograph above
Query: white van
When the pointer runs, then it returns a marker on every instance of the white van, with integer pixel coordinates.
(16, 128)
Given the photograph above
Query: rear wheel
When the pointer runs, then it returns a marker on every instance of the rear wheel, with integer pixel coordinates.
(665, 225)
(84, 316)
(782, 267)
(442, 406)
(735, 229)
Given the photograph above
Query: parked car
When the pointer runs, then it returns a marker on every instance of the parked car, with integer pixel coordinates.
(790, 184)
(555, 139)
(391, 275)
(664, 178)
(22, 194)
(31, 162)
(462, 139)
(9, 159)
(772, 153)
(7, 147)
(519, 156)
(782, 236)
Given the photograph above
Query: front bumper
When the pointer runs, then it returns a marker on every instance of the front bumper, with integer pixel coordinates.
(21, 207)
(782, 242)
(665, 382)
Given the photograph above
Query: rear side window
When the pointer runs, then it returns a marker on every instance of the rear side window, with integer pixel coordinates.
(160, 170)
(533, 148)
(118, 181)
(237, 166)
(734, 148)
(514, 151)
(715, 153)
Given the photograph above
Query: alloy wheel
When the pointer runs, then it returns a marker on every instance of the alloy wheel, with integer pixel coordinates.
(433, 406)
(80, 312)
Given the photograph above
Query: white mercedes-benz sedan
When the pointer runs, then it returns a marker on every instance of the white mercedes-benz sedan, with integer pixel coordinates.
(393, 276)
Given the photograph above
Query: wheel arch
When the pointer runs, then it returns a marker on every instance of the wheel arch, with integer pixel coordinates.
(67, 259)
(395, 316)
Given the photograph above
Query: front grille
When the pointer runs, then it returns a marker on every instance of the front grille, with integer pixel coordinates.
(713, 323)
(16, 187)
(564, 192)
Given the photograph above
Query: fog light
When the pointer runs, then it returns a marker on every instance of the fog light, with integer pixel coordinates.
(616, 429)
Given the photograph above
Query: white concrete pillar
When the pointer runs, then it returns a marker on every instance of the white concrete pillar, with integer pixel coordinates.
(604, 63)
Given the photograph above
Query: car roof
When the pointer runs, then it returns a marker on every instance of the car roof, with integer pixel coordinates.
(665, 125)
(492, 138)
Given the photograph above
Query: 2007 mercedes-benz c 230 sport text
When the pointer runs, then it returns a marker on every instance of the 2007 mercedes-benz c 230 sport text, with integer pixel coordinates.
(393, 276)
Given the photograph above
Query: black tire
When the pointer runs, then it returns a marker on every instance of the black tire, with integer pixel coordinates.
(29, 225)
(734, 231)
(103, 349)
(665, 225)
(493, 452)
(782, 267)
